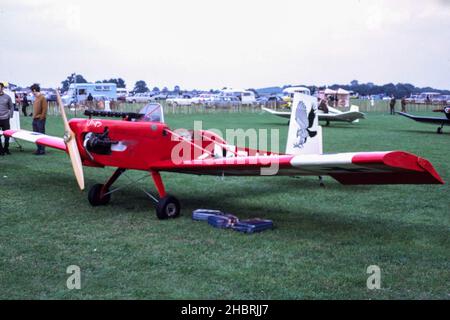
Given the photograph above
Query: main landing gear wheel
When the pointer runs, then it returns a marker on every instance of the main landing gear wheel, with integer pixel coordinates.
(168, 208)
(439, 130)
(95, 198)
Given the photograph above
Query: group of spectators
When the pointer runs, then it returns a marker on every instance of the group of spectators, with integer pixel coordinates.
(40, 107)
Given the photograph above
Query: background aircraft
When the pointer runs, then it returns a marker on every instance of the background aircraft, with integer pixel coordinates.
(333, 114)
(437, 120)
(141, 141)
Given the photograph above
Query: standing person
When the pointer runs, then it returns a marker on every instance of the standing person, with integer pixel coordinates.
(403, 103)
(17, 101)
(323, 105)
(90, 101)
(40, 107)
(392, 104)
(25, 105)
(6, 112)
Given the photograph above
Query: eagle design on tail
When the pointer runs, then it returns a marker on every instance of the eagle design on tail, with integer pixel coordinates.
(305, 122)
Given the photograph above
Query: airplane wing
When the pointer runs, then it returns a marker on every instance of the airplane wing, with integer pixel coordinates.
(35, 137)
(392, 167)
(425, 119)
(283, 114)
(349, 116)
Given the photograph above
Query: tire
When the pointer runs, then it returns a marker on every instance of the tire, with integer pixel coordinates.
(94, 196)
(168, 208)
(439, 130)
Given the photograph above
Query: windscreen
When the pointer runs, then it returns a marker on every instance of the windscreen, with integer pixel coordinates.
(152, 112)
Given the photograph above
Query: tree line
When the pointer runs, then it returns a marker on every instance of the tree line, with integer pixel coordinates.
(398, 90)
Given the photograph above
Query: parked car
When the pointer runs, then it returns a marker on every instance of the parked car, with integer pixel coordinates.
(262, 100)
(202, 99)
(184, 100)
(139, 98)
(224, 102)
(159, 97)
(275, 102)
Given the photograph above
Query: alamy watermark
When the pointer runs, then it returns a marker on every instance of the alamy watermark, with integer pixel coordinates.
(74, 280)
(374, 280)
(209, 147)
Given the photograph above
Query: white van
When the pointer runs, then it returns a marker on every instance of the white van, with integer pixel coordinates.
(291, 90)
(78, 92)
(245, 96)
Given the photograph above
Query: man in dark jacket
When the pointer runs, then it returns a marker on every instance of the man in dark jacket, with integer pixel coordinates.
(25, 104)
(40, 107)
(90, 101)
(403, 103)
(6, 112)
(392, 104)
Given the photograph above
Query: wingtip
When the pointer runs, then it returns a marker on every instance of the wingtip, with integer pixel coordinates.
(412, 162)
(427, 166)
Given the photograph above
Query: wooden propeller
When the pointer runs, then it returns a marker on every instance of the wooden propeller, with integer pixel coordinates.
(71, 143)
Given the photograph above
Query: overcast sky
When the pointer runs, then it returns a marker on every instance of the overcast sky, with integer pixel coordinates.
(238, 43)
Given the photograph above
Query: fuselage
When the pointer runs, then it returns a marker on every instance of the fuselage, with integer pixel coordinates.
(142, 145)
(139, 144)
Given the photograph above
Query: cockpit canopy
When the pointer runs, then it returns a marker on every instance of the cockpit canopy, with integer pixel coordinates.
(152, 112)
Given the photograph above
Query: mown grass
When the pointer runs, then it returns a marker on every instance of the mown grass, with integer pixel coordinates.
(324, 240)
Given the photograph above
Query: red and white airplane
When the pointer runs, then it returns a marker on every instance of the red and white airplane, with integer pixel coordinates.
(142, 141)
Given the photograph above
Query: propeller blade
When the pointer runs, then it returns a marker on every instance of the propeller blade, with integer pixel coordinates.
(71, 143)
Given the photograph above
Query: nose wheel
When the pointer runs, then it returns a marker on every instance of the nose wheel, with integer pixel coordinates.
(98, 195)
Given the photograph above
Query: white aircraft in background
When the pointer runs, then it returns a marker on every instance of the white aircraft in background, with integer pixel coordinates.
(333, 114)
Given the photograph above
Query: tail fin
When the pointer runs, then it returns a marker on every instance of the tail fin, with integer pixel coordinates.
(305, 133)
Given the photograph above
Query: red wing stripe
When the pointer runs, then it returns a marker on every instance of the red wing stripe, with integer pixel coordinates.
(9, 133)
(52, 142)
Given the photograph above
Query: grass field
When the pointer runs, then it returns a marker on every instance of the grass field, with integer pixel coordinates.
(324, 240)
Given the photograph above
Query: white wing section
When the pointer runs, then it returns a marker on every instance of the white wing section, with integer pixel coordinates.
(283, 114)
(35, 137)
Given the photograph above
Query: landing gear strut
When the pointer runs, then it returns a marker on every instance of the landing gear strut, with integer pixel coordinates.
(167, 206)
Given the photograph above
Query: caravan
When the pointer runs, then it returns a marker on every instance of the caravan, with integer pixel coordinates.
(245, 96)
(78, 92)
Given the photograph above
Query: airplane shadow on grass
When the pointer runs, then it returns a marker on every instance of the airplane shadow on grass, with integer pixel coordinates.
(427, 132)
(307, 222)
